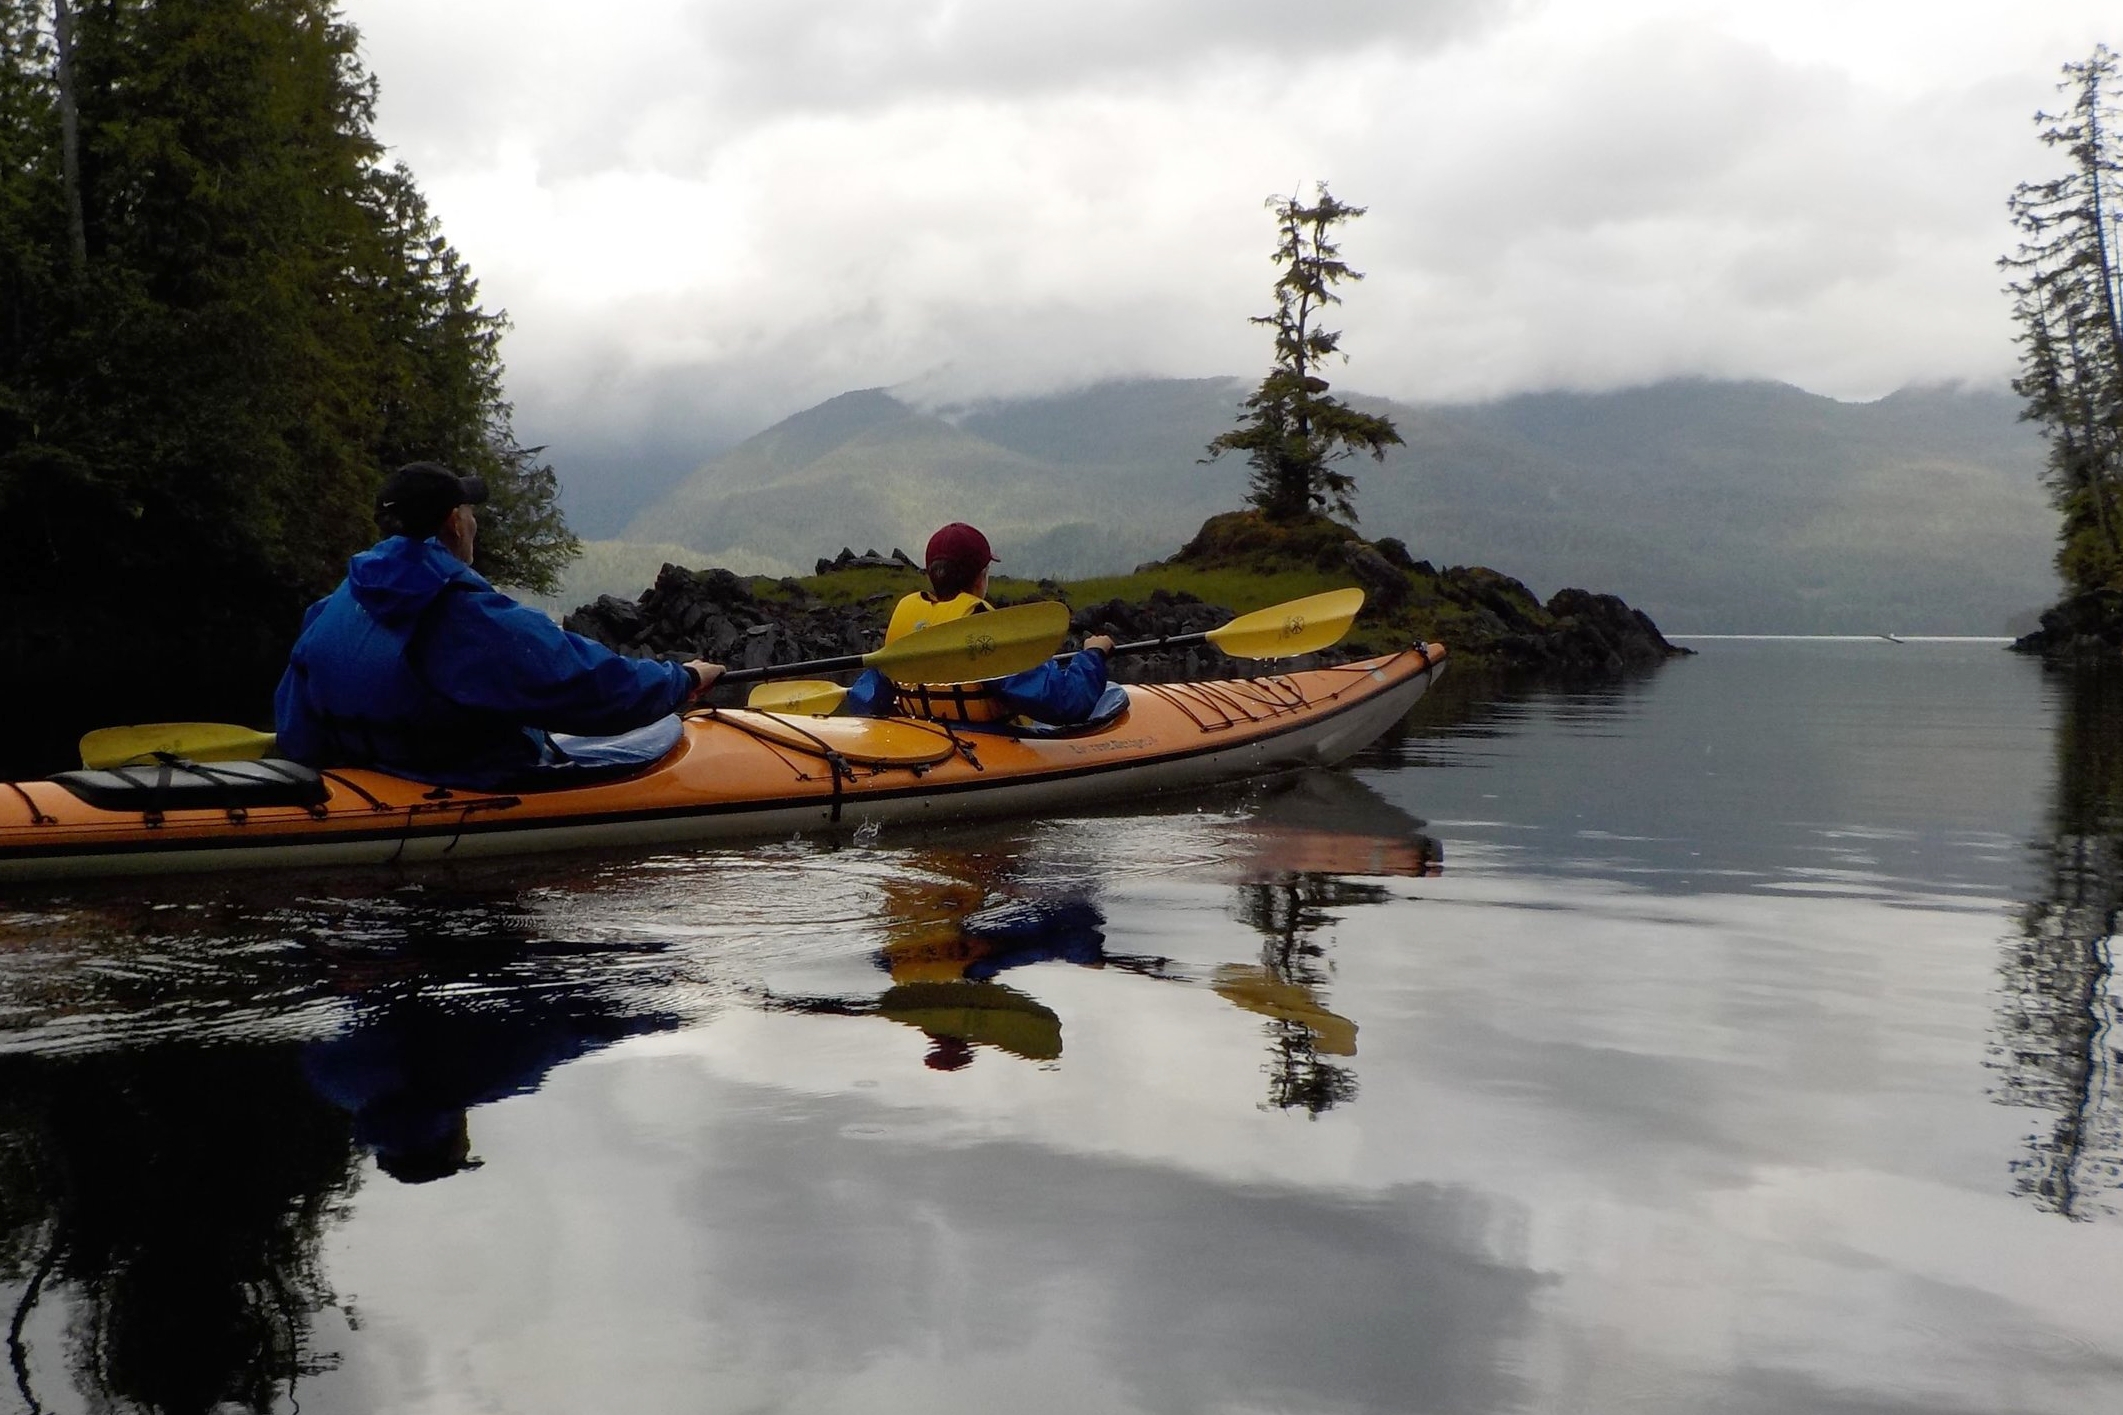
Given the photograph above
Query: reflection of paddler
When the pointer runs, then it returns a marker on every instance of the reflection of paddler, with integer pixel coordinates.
(1256, 988)
(416, 1060)
(945, 942)
(956, 1016)
(925, 922)
(980, 943)
(942, 962)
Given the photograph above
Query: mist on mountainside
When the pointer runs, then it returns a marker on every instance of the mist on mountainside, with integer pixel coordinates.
(1714, 506)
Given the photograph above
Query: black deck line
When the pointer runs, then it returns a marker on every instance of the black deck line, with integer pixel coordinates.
(495, 826)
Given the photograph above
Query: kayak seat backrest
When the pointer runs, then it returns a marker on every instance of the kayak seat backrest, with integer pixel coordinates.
(585, 761)
(1104, 713)
(173, 784)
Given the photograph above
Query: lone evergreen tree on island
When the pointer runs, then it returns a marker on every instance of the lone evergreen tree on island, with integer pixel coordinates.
(1294, 431)
(2067, 292)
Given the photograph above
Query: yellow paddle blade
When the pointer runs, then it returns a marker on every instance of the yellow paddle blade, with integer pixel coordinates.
(803, 697)
(1286, 630)
(990, 1013)
(194, 741)
(1258, 990)
(991, 645)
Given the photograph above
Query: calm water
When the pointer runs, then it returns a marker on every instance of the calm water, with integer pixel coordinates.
(1742, 1039)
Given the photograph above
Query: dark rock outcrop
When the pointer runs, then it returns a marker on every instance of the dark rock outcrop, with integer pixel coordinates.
(868, 560)
(2083, 629)
(1164, 615)
(1597, 633)
(713, 614)
(1395, 552)
(1385, 584)
(1487, 619)
(1576, 634)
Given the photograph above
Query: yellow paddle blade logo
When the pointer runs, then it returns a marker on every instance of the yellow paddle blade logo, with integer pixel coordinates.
(1293, 626)
(980, 646)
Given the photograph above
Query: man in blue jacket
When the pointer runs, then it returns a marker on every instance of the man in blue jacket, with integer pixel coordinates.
(417, 666)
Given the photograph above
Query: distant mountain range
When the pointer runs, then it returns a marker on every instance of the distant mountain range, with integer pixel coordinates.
(1714, 506)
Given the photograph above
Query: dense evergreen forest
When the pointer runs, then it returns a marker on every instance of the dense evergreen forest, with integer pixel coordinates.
(223, 316)
(2066, 280)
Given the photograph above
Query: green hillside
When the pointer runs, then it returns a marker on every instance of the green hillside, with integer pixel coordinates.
(1716, 507)
(864, 470)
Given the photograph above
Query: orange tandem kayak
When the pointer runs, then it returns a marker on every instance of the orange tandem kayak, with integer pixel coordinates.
(732, 774)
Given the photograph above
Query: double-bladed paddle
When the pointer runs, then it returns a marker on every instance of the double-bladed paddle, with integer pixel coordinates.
(990, 645)
(1284, 630)
(993, 644)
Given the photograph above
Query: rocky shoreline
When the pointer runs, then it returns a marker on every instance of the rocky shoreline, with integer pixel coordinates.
(1487, 619)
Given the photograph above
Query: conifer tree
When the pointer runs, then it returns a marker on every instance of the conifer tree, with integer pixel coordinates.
(225, 319)
(442, 390)
(28, 140)
(2067, 288)
(1294, 432)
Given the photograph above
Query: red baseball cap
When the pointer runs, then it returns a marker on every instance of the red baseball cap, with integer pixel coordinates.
(960, 544)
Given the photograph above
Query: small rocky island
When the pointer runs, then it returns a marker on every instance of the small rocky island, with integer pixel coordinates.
(1236, 562)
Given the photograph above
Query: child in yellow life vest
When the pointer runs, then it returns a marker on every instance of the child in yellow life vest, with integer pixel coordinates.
(1060, 691)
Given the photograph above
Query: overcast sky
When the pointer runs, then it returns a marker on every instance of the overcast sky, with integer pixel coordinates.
(706, 214)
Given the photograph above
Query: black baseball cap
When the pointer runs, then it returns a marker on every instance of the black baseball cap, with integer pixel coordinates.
(420, 494)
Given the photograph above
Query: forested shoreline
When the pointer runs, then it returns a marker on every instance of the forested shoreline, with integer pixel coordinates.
(224, 314)
(2066, 280)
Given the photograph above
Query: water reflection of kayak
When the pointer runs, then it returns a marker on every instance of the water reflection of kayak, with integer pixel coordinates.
(1281, 850)
(1331, 823)
(732, 775)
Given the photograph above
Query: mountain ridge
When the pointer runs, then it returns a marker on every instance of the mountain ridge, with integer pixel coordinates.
(1717, 506)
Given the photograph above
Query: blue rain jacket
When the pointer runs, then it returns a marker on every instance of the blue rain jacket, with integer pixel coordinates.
(1060, 691)
(417, 666)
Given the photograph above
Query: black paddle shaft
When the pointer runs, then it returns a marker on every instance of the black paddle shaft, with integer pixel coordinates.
(856, 660)
(793, 670)
(1170, 641)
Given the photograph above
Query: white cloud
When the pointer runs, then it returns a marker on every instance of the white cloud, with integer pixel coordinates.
(717, 212)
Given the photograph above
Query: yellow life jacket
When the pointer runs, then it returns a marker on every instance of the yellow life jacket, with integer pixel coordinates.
(942, 702)
(919, 611)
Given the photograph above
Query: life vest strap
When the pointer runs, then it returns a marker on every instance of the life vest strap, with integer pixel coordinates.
(952, 702)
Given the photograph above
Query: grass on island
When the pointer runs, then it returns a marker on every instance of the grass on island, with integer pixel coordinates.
(1240, 591)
